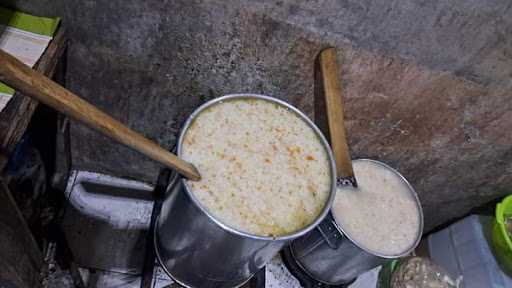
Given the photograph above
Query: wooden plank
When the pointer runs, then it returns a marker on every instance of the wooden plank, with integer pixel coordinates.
(16, 115)
(20, 259)
(3, 160)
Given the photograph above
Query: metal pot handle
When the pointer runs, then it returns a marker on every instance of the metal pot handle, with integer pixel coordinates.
(330, 232)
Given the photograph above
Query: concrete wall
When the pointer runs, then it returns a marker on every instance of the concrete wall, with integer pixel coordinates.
(427, 85)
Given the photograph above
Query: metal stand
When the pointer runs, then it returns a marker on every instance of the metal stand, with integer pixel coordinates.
(305, 280)
(162, 183)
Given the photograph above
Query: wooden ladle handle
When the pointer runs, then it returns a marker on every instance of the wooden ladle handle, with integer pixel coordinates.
(34, 84)
(334, 106)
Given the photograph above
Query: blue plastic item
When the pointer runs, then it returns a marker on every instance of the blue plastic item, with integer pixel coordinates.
(464, 248)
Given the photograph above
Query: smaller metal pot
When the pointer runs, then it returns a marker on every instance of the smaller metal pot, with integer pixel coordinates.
(329, 256)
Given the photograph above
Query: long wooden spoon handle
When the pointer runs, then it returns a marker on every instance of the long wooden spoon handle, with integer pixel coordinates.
(32, 83)
(334, 107)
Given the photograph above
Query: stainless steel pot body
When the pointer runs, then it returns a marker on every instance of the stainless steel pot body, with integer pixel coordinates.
(197, 250)
(328, 255)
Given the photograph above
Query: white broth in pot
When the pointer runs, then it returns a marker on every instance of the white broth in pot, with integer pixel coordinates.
(382, 214)
(264, 170)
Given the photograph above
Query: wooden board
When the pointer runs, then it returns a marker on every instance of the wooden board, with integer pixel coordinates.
(16, 115)
(20, 259)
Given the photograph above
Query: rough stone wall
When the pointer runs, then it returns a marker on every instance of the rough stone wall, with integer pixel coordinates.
(427, 85)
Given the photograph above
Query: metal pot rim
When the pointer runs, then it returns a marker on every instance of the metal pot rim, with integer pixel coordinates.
(420, 214)
(233, 230)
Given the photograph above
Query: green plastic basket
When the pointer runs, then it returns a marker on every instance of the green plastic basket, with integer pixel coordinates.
(500, 239)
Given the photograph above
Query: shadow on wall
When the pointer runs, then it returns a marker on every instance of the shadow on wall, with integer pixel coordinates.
(9, 4)
(5, 16)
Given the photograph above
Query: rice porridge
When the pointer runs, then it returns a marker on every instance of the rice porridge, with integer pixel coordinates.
(381, 214)
(264, 169)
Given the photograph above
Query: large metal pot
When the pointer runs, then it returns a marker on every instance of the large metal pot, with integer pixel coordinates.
(328, 254)
(197, 250)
